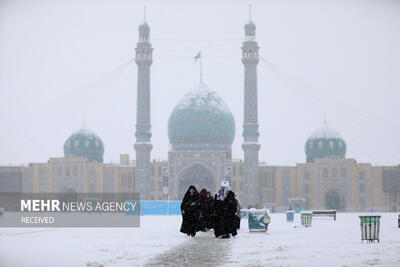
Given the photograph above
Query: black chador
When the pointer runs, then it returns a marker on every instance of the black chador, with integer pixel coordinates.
(225, 208)
(190, 209)
(206, 211)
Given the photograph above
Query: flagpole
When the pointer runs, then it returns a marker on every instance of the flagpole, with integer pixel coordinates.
(201, 70)
(198, 56)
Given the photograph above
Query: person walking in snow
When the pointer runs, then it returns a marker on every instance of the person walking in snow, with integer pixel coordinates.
(190, 208)
(203, 216)
(206, 211)
(225, 208)
(210, 211)
(231, 213)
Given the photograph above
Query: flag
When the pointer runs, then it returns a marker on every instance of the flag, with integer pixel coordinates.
(197, 56)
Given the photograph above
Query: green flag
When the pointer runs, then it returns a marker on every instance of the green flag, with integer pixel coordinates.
(197, 56)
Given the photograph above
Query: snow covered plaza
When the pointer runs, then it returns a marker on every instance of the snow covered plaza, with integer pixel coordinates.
(158, 242)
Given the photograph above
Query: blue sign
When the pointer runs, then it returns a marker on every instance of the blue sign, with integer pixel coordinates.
(160, 207)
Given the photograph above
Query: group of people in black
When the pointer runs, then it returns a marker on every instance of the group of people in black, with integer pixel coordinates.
(202, 212)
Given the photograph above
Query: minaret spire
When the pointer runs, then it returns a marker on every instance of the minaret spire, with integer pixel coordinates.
(144, 14)
(249, 12)
(250, 144)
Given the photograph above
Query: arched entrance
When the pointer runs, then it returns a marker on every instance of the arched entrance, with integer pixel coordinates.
(68, 194)
(332, 200)
(197, 175)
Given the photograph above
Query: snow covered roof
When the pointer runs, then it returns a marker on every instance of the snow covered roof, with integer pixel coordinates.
(325, 142)
(325, 132)
(204, 95)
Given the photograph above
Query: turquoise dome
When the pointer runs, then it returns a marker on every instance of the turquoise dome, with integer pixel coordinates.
(325, 142)
(84, 143)
(201, 120)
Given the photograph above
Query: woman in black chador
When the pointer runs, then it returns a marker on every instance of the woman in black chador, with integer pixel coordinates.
(206, 211)
(190, 208)
(225, 208)
(231, 213)
(211, 212)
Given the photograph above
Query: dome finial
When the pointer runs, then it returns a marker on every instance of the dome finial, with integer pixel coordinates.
(249, 12)
(144, 14)
(325, 118)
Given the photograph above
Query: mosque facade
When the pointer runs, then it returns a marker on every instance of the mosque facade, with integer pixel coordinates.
(201, 130)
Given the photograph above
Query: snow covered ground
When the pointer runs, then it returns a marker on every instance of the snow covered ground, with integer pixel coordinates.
(158, 242)
(326, 243)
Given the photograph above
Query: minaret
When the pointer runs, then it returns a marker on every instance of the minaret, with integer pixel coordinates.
(143, 144)
(250, 126)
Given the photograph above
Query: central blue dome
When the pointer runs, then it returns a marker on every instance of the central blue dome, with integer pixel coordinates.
(201, 120)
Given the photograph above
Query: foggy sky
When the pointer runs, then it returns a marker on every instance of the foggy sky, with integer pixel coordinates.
(65, 62)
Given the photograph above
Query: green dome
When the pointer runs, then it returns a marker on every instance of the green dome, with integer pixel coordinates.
(325, 142)
(201, 120)
(84, 143)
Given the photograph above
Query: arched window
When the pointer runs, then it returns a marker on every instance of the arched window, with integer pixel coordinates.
(92, 185)
(306, 183)
(75, 170)
(325, 173)
(43, 185)
(334, 173)
(343, 172)
(109, 182)
(59, 171)
(362, 190)
(67, 171)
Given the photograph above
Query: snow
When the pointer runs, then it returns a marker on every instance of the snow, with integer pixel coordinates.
(158, 242)
(326, 243)
(201, 97)
(325, 132)
(86, 131)
(89, 246)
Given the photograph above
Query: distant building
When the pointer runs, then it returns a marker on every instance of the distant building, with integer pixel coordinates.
(329, 181)
(11, 179)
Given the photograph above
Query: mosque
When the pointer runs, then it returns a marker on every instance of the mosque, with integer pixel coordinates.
(201, 130)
